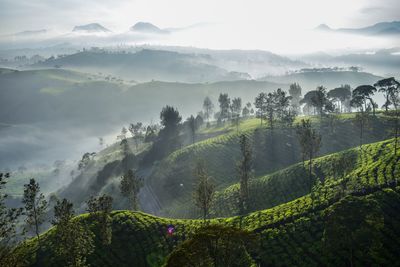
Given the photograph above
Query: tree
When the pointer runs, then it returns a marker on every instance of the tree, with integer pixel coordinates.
(352, 230)
(244, 168)
(216, 246)
(236, 109)
(224, 105)
(150, 135)
(361, 95)
(84, 162)
(204, 190)
(295, 93)
(35, 206)
(361, 120)
(208, 108)
(170, 118)
(100, 208)
(270, 108)
(342, 97)
(389, 87)
(191, 123)
(73, 241)
(260, 105)
(169, 134)
(318, 100)
(246, 112)
(310, 143)
(321, 102)
(122, 136)
(307, 102)
(168, 137)
(130, 187)
(8, 226)
(136, 131)
(199, 120)
(281, 103)
(288, 117)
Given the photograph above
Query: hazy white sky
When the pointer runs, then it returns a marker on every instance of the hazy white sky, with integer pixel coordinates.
(244, 22)
(18, 15)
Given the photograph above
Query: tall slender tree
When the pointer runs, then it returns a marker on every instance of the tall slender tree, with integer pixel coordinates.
(8, 226)
(192, 126)
(310, 143)
(244, 168)
(35, 206)
(260, 105)
(208, 108)
(204, 190)
(236, 109)
(224, 105)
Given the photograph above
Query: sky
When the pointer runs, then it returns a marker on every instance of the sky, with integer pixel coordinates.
(229, 23)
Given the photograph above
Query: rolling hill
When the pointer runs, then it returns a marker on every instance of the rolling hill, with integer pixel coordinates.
(146, 65)
(168, 184)
(272, 151)
(44, 106)
(292, 233)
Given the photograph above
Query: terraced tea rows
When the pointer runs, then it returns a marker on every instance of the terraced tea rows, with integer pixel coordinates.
(291, 234)
(172, 179)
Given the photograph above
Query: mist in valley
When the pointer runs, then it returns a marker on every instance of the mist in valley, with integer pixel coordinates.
(199, 110)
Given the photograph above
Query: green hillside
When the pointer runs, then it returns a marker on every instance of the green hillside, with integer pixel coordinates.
(290, 234)
(172, 179)
(82, 99)
(147, 65)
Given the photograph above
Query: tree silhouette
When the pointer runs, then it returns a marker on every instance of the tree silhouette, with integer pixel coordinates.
(208, 108)
(204, 190)
(130, 187)
(341, 96)
(35, 206)
(244, 167)
(361, 95)
(310, 143)
(224, 106)
(389, 87)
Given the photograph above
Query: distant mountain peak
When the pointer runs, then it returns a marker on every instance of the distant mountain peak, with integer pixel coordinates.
(381, 28)
(92, 27)
(147, 27)
(323, 27)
